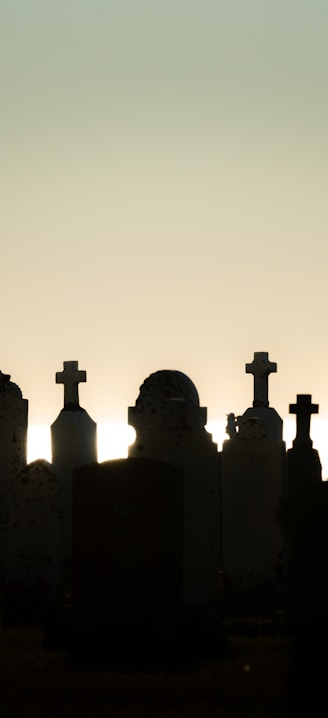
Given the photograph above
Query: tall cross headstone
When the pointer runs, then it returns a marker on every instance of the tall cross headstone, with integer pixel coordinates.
(71, 377)
(261, 367)
(253, 478)
(74, 443)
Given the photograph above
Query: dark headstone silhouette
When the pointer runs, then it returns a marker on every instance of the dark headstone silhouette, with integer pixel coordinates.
(304, 518)
(74, 443)
(253, 475)
(303, 462)
(13, 451)
(261, 367)
(261, 413)
(34, 577)
(170, 426)
(127, 553)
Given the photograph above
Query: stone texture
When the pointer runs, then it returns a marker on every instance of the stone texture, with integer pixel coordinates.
(36, 529)
(252, 542)
(13, 451)
(253, 485)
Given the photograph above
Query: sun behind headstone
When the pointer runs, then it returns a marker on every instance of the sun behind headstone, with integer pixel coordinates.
(73, 440)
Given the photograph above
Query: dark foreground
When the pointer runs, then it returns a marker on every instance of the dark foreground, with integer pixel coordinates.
(250, 678)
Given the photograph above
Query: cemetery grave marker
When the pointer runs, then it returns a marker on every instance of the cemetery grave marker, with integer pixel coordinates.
(170, 426)
(35, 535)
(13, 451)
(127, 550)
(253, 477)
(74, 443)
(303, 462)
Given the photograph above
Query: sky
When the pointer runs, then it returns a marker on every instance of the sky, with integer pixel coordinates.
(164, 198)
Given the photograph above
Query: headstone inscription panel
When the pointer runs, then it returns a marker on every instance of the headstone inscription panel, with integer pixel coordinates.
(127, 544)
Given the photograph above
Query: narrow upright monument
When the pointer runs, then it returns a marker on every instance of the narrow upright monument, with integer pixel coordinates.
(73, 440)
(253, 480)
(13, 451)
(303, 462)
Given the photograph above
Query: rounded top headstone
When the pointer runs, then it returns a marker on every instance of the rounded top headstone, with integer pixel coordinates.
(165, 385)
(8, 387)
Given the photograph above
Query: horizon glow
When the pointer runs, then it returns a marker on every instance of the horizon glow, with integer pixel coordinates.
(115, 438)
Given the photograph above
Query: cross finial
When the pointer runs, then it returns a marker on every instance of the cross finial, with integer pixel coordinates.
(261, 367)
(71, 377)
(303, 410)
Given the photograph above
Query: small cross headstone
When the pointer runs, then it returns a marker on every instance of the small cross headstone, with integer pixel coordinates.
(261, 367)
(71, 377)
(303, 462)
(303, 410)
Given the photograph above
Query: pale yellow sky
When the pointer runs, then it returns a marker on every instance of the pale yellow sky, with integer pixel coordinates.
(163, 184)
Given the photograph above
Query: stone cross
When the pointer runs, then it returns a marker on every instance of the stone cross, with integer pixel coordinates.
(303, 410)
(261, 367)
(71, 377)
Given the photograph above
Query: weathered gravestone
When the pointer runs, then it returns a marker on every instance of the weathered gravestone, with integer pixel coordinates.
(127, 552)
(253, 476)
(74, 443)
(13, 450)
(34, 576)
(170, 426)
(303, 462)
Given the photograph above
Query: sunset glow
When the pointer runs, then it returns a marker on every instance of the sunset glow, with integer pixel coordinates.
(115, 438)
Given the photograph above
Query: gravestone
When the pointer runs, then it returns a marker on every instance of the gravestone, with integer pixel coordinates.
(303, 462)
(304, 518)
(261, 414)
(74, 443)
(170, 427)
(127, 550)
(13, 451)
(253, 478)
(35, 534)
